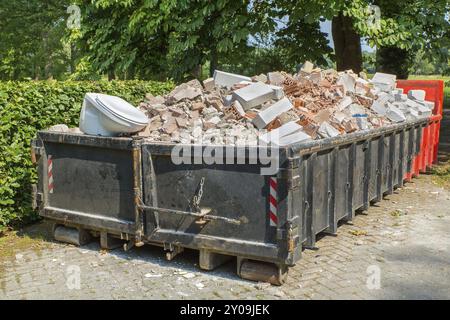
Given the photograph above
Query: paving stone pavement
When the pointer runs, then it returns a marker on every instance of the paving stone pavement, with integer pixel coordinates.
(405, 240)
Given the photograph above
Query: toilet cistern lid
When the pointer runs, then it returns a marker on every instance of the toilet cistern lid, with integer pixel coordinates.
(118, 107)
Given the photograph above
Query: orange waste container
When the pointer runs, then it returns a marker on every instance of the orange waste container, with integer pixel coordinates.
(428, 154)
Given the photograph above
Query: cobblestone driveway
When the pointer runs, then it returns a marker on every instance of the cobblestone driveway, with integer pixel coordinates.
(405, 238)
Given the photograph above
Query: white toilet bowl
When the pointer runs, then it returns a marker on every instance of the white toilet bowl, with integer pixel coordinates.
(110, 116)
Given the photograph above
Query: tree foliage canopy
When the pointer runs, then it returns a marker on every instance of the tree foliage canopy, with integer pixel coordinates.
(160, 39)
(31, 34)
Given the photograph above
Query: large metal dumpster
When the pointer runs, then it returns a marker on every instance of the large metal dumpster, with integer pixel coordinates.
(120, 188)
(428, 154)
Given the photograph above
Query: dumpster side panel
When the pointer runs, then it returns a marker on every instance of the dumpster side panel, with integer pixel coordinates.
(396, 162)
(305, 189)
(224, 190)
(389, 159)
(374, 169)
(342, 189)
(412, 132)
(294, 217)
(252, 209)
(83, 175)
(320, 189)
(359, 175)
(86, 182)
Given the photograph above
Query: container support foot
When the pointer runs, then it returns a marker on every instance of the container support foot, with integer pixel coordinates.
(262, 271)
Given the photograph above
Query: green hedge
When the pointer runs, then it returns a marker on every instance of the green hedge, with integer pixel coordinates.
(26, 107)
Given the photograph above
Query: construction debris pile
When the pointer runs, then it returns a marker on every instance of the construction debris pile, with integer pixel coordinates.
(313, 104)
(277, 108)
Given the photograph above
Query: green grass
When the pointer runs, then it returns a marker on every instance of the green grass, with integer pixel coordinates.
(34, 237)
(429, 77)
(441, 175)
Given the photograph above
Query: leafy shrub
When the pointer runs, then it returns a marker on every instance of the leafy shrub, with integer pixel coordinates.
(25, 108)
(447, 94)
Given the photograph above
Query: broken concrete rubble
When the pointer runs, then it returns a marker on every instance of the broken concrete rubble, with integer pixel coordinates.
(253, 95)
(170, 126)
(59, 128)
(75, 130)
(363, 123)
(274, 135)
(428, 104)
(417, 95)
(275, 78)
(182, 122)
(236, 110)
(355, 109)
(209, 84)
(380, 108)
(278, 92)
(350, 125)
(264, 118)
(362, 87)
(260, 78)
(400, 97)
(322, 116)
(184, 92)
(225, 79)
(296, 137)
(307, 67)
(348, 82)
(339, 116)
(346, 101)
(384, 82)
(288, 116)
(328, 131)
(317, 78)
(420, 108)
(395, 114)
(150, 99)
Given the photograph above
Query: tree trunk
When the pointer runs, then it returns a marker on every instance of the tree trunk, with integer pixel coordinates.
(214, 62)
(347, 44)
(394, 61)
(48, 69)
(111, 75)
(197, 72)
(37, 72)
(72, 65)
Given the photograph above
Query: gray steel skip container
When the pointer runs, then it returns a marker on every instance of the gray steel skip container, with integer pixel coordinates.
(120, 188)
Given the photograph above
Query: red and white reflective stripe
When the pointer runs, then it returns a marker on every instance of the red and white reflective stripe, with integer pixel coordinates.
(273, 202)
(50, 173)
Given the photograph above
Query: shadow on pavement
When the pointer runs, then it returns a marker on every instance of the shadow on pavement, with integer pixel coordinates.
(417, 277)
(186, 260)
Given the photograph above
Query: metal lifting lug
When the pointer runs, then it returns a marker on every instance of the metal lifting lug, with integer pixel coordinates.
(36, 153)
(289, 233)
(36, 197)
(290, 238)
